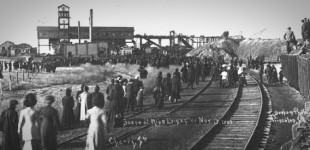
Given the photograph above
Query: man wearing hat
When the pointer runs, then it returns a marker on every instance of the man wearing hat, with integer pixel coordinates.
(9, 127)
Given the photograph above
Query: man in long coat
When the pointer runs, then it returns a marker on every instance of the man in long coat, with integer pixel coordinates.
(191, 76)
(184, 71)
(167, 86)
(9, 127)
(175, 88)
(67, 119)
(116, 92)
(129, 96)
(120, 97)
(109, 89)
(49, 124)
(158, 91)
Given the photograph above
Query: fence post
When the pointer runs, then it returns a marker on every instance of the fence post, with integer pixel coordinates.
(23, 74)
(17, 77)
(10, 83)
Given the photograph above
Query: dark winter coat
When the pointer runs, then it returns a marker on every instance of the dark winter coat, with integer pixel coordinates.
(67, 115)
(191, 74)
(78, 107)
(97, 97)
(49, 125)
(9, 126)
(184, 74)
(175, 87)
(167, 85)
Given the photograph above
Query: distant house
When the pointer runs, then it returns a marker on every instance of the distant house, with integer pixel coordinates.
(8, 48)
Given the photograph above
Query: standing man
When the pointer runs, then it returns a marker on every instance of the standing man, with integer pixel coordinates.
(289, 37)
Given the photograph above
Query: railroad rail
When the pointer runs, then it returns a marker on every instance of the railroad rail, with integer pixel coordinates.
(240, 106)
(208, 105)
(244, 113)
(188, 93)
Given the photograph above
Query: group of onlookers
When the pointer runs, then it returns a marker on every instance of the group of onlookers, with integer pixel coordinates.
(38, 128)
(272, 75)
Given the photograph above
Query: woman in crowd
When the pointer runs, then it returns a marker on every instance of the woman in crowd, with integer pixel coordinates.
(78, 104)
(28, 126)
(67, 114)
(97, 127)
(83, 100)
(49, 124)
(9, 125)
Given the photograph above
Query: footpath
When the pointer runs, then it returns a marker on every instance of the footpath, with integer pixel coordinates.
(286, 103)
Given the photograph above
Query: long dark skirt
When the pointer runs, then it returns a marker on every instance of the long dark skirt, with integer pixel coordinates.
(77, 113)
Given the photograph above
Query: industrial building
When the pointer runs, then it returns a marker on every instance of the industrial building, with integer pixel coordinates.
(101, 37)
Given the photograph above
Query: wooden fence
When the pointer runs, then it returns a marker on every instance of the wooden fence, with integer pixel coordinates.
(297, 71)
(290, 69)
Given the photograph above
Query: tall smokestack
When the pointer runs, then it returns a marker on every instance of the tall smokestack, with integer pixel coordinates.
(79, 32)
(91, 25)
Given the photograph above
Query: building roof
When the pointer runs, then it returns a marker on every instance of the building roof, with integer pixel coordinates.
(49, 32)
(11, 43)
(63, 5)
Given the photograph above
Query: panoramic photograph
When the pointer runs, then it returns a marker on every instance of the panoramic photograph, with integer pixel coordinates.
(155, 75)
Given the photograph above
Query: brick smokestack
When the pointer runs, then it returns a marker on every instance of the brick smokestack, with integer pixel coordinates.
(91, 25)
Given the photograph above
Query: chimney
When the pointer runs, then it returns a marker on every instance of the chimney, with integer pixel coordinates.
(91, 25)
(79, 36)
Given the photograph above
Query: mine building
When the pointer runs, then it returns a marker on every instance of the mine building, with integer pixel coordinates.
(100, 38)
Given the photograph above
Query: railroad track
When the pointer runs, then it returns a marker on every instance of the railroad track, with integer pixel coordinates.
(240, 106)
(78, 137)
(208, 105)
(244, 114)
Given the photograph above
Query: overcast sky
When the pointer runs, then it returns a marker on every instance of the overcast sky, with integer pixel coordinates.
(19, 18)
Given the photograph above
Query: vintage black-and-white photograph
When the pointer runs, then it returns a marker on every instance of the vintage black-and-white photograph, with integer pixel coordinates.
(155, 75)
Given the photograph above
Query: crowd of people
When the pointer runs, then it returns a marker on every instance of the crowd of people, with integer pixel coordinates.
(38, 128)
(290, 38)
(50, 63)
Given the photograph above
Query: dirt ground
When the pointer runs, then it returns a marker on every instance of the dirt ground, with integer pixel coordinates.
(284, 98)
(58, 90)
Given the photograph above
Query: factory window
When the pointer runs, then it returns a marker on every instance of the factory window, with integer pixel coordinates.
(3, 48)
(107, 34)
(113, 34)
